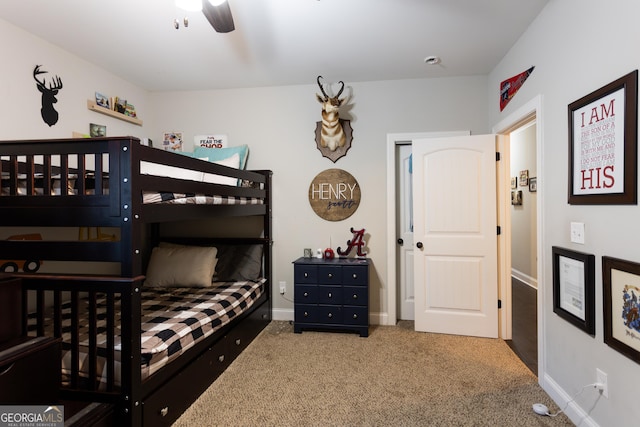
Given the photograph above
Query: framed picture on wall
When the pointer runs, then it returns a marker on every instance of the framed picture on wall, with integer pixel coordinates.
(574, 287)
(603, 145)
(514, 182)
(524, 178)
(621, 291)
(533, 184)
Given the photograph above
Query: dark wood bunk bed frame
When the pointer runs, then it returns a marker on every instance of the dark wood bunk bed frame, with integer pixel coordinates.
(163, 396)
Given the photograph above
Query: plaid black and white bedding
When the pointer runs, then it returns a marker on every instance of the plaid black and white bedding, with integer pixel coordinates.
(173, 320)
(198, 199)
(147, 197)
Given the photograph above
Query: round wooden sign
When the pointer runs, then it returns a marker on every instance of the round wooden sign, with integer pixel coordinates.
(334, 194)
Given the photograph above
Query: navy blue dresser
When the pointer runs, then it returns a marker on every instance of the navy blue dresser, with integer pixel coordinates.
(331, 294)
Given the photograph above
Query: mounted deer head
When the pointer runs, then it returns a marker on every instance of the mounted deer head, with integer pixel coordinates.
(332, 135)
(49, 114)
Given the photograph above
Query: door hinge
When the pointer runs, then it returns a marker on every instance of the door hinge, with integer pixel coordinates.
(499, 230)
(497, 156)
(499, 303)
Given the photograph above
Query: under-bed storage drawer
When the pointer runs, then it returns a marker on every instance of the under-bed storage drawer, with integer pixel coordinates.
(240, 336)
(30, 371)
(164, 406)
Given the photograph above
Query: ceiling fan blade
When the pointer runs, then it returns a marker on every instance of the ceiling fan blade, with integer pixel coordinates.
(219, 16)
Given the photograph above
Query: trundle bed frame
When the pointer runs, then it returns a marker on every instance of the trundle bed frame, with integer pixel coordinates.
(105, 189)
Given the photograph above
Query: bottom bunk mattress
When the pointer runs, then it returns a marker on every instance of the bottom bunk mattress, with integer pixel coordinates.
(173, 320)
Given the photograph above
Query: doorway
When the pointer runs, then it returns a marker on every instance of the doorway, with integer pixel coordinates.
(524, 261)
(531, 109)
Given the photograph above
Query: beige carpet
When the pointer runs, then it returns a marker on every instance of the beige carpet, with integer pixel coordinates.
(395, 377)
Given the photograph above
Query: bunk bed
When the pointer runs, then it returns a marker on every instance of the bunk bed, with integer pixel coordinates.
(108, 321)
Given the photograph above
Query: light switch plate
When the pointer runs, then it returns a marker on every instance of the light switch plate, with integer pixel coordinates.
(577, 232)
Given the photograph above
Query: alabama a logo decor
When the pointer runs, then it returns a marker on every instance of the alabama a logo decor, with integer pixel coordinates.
(509, 87)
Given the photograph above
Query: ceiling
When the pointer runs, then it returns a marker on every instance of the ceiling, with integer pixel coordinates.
(280, 42)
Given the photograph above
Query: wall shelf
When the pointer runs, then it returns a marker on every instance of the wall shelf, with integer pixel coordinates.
(91, 105)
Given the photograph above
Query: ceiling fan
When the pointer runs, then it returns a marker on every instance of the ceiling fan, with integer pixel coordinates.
(217, 12)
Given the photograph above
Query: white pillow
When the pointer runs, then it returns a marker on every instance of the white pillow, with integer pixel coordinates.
(233, 162)
(183, 266)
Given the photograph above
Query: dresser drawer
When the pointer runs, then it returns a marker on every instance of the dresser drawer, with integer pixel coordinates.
(305, 294)
(306, 273)
(305, 313)
(329, 295)
(355, 275)
(329, 274)
(352, 315)
(355, 295)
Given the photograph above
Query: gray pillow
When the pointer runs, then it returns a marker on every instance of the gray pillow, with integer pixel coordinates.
(238, 263)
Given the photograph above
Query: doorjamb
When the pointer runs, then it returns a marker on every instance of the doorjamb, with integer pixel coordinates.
(532, 108)
(390, 318)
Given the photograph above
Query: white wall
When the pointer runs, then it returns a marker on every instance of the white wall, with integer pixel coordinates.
(577, 46)
(278, 124)
(20, 110)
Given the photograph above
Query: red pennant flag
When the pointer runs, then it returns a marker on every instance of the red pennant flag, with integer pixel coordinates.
(509, 87)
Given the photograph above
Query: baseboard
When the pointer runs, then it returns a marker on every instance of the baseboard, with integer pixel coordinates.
(575, 413)
(524, 278)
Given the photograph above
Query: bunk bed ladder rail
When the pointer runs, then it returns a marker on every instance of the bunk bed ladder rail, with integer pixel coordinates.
(106, 298)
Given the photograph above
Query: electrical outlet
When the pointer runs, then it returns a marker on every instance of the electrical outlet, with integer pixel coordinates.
(283, 288)
(601, 379)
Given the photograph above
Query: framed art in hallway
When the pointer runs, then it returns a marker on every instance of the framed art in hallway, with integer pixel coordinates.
(574, 288)
(603, 145)
(621, 288)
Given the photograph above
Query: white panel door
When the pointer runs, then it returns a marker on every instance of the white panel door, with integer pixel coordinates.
(405, 232)
(455, 220)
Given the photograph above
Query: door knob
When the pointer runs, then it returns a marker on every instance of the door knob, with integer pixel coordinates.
(400, 242)
(419, 245)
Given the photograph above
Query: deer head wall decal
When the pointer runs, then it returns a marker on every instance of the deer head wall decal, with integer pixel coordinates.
(333, 134)
(49, 114)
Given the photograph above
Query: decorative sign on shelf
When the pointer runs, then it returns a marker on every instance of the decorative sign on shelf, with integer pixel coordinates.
(210, 141)
(334, 194)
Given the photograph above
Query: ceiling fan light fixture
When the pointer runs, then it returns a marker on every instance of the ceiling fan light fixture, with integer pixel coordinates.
(189, 5)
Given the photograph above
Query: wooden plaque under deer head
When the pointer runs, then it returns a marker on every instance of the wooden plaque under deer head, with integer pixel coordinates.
(333, 134)
(334, 194)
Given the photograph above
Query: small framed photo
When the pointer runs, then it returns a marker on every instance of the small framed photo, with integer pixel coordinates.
(533, 184)
(96, 130)
(514, 182)
(621, 286)
(574, 288)
(516, 197)
(102, 100)
(308, 253)
(524, 178)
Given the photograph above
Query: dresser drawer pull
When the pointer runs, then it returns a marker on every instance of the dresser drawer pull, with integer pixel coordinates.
(355, 316)
(330, 275)
(330, 296)
(306, 274)
(330, 315)
(306, 294)
(238, 341)
(221, 358)
(306, 314)
(355, 276)
(355, 296)
(164, 411)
